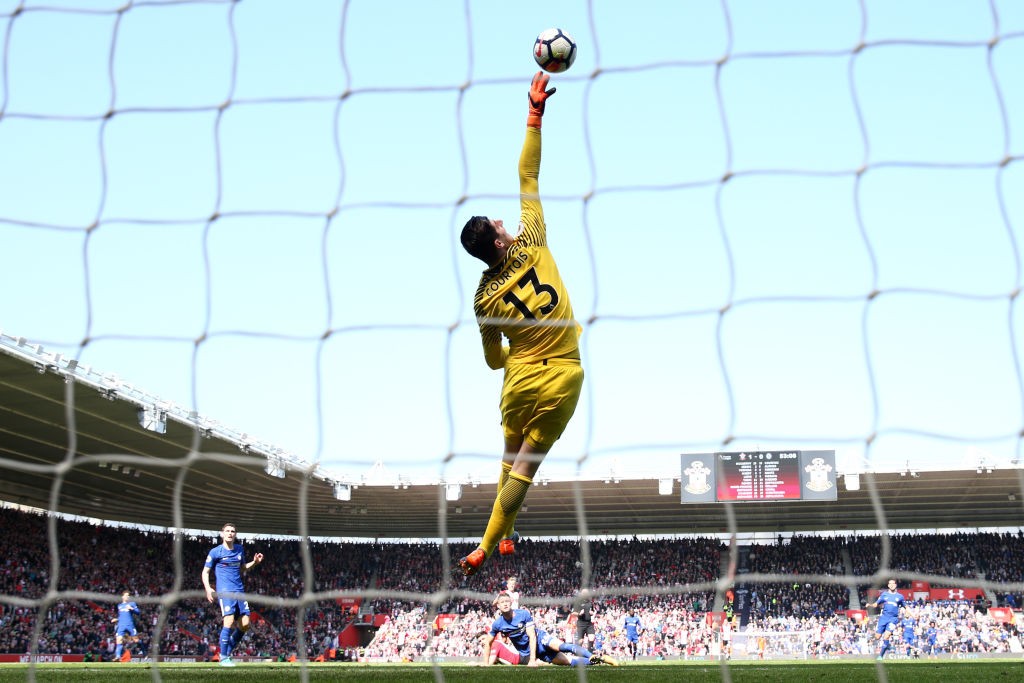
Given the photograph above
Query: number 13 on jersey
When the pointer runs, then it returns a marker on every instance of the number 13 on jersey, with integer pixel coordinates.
(530, 279)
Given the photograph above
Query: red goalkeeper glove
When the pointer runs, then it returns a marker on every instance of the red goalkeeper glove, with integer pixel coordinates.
(538, 96)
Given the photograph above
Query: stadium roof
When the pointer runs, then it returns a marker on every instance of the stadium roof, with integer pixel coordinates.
(99, 461)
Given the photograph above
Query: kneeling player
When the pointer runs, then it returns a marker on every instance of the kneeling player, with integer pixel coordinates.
(529, 645)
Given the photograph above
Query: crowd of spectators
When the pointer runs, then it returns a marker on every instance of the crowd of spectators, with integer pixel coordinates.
(960, 630)
(97, 562)
(802, 555)
(671, 583)
(995, 557)
(679, 633)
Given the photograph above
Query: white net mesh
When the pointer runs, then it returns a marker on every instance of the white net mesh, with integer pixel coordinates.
(782, 225)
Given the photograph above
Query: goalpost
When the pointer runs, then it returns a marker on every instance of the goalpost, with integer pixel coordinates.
(771, 644)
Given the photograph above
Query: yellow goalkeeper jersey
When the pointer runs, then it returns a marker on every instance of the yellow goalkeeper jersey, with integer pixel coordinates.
(523, 297)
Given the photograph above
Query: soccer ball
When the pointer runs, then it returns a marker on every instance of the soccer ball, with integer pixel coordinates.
(554, 50)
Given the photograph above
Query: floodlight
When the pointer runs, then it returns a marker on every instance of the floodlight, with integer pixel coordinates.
(852, 481)
(452, 492)
(274, 467)
(342, 491)
(665, 487)
(153, 419)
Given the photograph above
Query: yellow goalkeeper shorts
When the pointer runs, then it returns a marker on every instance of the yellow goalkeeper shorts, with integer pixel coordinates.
(538, 399)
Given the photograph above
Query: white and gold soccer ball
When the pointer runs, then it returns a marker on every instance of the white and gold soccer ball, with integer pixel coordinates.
(554, 50)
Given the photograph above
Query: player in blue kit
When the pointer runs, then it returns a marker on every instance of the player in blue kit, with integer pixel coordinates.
(909, 625)
(633, 627)
(931, 639)
(528, 644)
(126, 611)
(891, 603)
(228, 562)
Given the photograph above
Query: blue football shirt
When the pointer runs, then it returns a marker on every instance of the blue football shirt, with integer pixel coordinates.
(515, 629)
(227, 567)
(633, 626)
(891, 603)
(125, 614)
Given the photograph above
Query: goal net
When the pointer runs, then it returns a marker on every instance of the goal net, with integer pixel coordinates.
(782, 225)
(769, 645)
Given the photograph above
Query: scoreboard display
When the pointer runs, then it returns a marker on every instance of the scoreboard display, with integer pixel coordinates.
(751, 476)
(758, 476)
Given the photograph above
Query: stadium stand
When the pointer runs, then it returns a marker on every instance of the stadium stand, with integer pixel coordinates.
(96, 563)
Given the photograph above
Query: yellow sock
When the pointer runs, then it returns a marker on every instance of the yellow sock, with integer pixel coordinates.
(511, 526)
(506, 507)
(503, 477)
(506, 468)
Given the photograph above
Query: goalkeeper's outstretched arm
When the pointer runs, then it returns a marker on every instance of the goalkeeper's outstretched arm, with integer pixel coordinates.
(529, 160)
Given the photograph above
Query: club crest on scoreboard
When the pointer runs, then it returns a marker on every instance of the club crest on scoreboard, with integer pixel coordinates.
(697, 478)
(817, 475)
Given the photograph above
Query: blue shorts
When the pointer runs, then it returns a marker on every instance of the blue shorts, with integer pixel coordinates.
(126, 631)
(231, 607)
(543, 653)
(886, 625)
(543, 643)
(543, 639)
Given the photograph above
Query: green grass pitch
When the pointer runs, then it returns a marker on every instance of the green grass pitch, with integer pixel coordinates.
(739, 672)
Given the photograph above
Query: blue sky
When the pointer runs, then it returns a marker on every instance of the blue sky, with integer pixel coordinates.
(773, 239)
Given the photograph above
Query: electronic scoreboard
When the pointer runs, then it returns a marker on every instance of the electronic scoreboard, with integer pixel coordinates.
(751, 476)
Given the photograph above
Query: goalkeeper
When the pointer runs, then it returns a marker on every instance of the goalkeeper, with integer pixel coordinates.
(522, 298)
